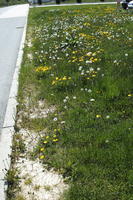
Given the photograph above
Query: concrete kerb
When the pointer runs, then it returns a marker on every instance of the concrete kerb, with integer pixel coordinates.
(9, 121)
(73, 4)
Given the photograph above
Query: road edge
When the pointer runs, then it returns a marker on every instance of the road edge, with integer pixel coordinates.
(9, 120)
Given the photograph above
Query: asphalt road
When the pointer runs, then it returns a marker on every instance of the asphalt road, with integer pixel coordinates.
(11, 29)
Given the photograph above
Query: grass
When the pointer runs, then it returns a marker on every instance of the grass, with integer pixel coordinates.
(82, 64)
(11, 2)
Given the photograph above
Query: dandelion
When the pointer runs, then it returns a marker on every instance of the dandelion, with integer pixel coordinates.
(55, 140)
(54, 136)
(45, 142)
(64, 78)
(91, 69)
(107, 117)
(42, 68)
(98, 116)
(88, 61)
(64, 100)
(42, 149)
(129, 95)
(89, 54)
(42, 157)
(89, 90)
(92, 100)
(80, 68)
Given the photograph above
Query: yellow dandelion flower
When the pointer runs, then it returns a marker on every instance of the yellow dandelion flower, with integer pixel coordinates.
(95, 59)
(129, 95)
(42, 157)
(64, 78)
(54, 136)
(42, 149)
(45, 142)
(98, 116)
(55, 140)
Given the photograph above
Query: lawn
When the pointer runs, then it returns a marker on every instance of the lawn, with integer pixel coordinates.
(79, 60)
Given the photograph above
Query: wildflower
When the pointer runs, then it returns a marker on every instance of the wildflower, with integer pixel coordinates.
(107, 117)
(42, 149)
(91, 69)
(64, 78)
(98, 69)
(55, 119)
(89, 90)
(55, 140)
(74, 97)
(54, 136)
(126, 54)
(45, 142)
(47, 137)
(80, 68)
(88, 61)
(42, 68)
(64, 100)
(129, 95)
(92, 100)
(94, 54)
(42, 157)
(98, 116)
(95, 59)
(89, 54)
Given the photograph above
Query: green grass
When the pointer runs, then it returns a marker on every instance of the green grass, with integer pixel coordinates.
(82, 64)
(11, 2)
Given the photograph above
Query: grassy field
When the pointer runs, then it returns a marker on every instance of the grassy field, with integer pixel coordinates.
(80, 62)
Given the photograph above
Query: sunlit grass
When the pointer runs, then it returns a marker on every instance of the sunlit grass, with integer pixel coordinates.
(82, 64)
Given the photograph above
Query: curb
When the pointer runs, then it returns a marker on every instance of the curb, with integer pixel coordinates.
(9, 120)
(72, 4)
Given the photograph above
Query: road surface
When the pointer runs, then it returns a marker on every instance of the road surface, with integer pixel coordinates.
(12, 21)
